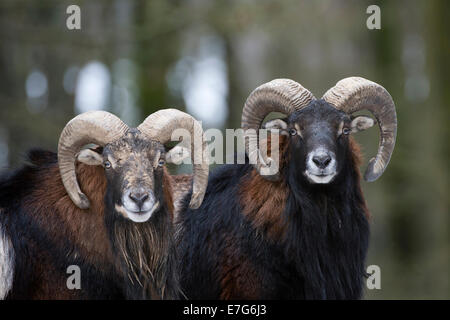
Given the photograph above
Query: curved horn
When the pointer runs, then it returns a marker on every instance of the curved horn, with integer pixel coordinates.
(354, 94)
(279, 95)
(160, 125)
(99, 127)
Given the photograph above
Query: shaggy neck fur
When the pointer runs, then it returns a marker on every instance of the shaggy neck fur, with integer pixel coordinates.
(144, 252)
(328, 236)
(320, 230)
(145, 256)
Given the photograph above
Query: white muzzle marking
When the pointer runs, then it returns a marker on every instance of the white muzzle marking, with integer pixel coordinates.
(320, 175)
(130, 210)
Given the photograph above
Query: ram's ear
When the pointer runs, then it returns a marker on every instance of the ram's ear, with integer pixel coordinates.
(276, 124)
(361, 123)
(90, 157)
(177, 154)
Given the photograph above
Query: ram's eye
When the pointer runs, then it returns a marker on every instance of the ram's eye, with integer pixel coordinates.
(107, 164)
(161, 162)
(346, 131)
(292, 132)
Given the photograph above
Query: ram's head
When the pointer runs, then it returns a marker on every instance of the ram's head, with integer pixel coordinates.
(133, 159)
(318, 129)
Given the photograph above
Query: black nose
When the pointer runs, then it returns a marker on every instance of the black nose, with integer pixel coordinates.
(139, 198)
(322, 161)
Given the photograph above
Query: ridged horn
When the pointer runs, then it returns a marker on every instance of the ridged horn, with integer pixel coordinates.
(354, 94)
(279, 95)
(99, 127)
(160, 125)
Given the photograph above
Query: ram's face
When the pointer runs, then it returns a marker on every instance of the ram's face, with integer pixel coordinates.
(319, 139)
(134, 170)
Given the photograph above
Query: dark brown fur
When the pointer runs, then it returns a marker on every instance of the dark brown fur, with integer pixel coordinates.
(182, 185)
(265, 215)
(238, 274)
(357, 159)
(56, 214)
(55, 234)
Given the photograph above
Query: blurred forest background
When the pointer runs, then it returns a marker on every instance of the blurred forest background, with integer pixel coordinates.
(205, 57)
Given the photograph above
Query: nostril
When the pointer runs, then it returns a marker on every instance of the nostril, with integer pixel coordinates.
(316, 160)
(139, 198)
(322, 161)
